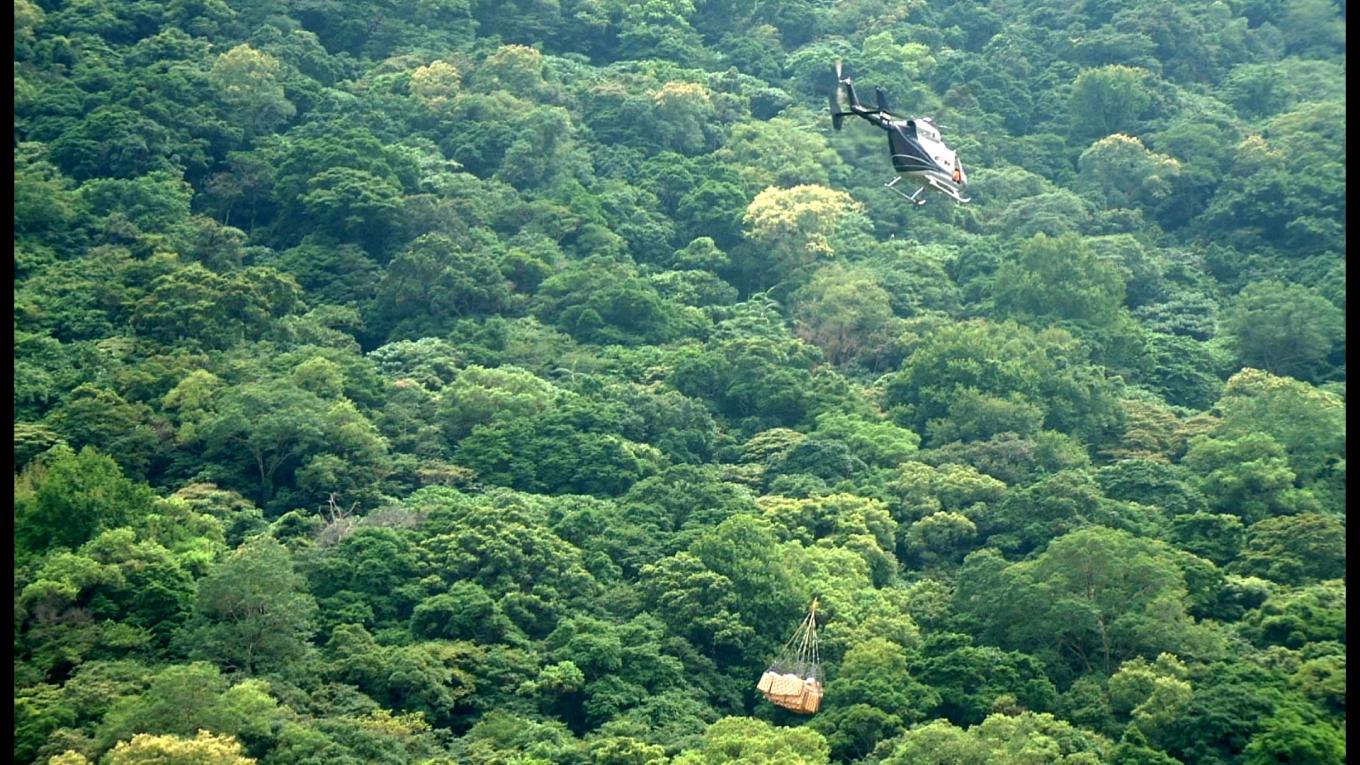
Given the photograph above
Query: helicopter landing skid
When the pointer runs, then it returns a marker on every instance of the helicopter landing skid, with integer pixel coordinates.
(914, 198)
(947, 191)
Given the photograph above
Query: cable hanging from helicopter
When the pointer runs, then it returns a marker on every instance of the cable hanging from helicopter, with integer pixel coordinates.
(914, 144)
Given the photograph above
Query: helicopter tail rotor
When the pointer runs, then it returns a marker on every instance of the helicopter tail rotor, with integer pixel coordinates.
(842, 96)
(839, 107)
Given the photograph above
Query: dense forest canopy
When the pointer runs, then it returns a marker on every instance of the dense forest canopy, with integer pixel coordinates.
(481, 381)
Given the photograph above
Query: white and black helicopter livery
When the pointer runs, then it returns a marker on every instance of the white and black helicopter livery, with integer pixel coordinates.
(917, 152)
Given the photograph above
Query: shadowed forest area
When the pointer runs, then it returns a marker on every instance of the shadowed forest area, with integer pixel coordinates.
(481, 381)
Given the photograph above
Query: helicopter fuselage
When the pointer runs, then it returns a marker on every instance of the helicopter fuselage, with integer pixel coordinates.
(919, 155)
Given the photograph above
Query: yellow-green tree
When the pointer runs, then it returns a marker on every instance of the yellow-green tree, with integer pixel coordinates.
(794, 226)
(436, 84)
(1119, 171)
(250, 83)
(203, 749)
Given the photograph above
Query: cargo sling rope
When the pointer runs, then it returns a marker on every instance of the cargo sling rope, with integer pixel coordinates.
(794, 680)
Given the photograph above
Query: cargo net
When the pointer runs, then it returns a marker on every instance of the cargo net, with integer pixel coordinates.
(794, 680)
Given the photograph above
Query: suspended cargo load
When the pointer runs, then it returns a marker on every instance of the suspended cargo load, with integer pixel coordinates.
(794, 680)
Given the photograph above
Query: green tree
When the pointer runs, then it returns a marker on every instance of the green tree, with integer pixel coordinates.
(112, 141)
(730, 592)
(843, 520)
(1312, 613)
(1307, 421)
(253, 611)
(778, 153)
(843, 312)
(1229, 706)
(1295, 549)
(1151, 694)
(942, 537)
(971, 679)
(465, 612)
(1003, 361)
(193, 697)
(502, 542)
(873, 675)
(793, 226)
(98, 417)
(1248, 476)
(248, 82)
(1060, 278)
(1287, 737)
(1256, 90)
(356, 204)
(373, 575)
(1215, 536)
(38, 710)
(683, 111)
(766, 379)
(478, 395)
(746, 740)
(1023, 737)
(1027, 518)
(599, 302)
(1093, 598)
(1119, 171)
(436, 84)
(1108, 100)
(1285, 329)
(216, 311)
(433, 282)
(68, 498)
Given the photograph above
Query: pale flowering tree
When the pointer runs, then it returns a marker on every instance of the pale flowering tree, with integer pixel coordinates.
(250, 83)
(436, 84)
(683, 109)
(794, 226)
(1118, 171)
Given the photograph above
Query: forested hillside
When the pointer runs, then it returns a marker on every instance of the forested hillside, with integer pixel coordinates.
(498, 381)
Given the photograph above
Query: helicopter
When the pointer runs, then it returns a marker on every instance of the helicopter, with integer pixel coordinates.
(918, 154)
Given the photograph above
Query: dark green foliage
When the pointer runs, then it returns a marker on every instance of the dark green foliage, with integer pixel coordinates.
(1310, 614)
(985, 378)
(70, 497)
(1284, 329)
(1056, 504)
(465, 612)
(762, 380)
(1248, 477)
(1213, 536)
(565, 450)
(373, 571)
(1092, 598)
(1153, 483)
(481, 382)
(595, 303)
(1290, 737)
(1297, 549)
(252, 611)
(971, 678)
(1183, 371)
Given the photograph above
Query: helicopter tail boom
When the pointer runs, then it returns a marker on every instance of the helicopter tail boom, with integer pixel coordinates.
(845, 102)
